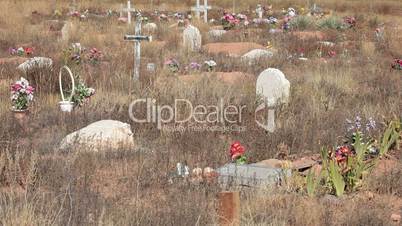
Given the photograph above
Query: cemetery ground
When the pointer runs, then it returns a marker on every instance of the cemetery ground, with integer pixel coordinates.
(40, 184)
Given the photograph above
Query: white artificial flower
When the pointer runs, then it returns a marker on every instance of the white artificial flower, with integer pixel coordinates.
(210, 63)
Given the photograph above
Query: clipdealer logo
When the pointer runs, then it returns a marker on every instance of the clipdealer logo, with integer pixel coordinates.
(195, 117)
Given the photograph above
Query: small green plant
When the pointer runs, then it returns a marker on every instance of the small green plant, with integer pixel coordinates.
(313, 181)
(336, 178)
(301, 23)
(390, 137)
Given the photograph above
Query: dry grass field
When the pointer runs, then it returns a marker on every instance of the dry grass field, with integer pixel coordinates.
(40, 185)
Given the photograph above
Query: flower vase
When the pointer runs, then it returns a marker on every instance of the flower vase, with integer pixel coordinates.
(66, 106)
(21, 116)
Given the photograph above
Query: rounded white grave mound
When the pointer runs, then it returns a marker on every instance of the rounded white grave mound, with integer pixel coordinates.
(273, 87)
(101, 135)
(35, 63)
(257, 54)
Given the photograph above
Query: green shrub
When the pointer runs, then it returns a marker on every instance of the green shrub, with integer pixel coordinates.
(301, 23)
(332, 22)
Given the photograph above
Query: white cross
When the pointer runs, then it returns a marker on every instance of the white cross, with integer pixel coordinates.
(137, 38)
(128, 10)
(201, 8)
(259, 11)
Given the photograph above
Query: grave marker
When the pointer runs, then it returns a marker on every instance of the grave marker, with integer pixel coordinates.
(259, 11)
(192, 38)
(128, 10)
(252, 175)
(137, 38)
(229, 208)
(201, 8)
(273, 88)
(234, 6)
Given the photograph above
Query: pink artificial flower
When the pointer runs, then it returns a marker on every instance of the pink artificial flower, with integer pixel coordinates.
(16, 87)
(30, 90)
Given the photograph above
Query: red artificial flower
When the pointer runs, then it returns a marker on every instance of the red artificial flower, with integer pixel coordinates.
(236, 150)
(28, 50)
(342, 153)
(76, 14)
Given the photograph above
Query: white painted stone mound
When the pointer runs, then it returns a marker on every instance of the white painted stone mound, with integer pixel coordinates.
(35, 63)
(101, 135)
(257, 54)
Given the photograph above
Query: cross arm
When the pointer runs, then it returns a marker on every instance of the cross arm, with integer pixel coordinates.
(138, 38)
(200, 8)
(129, 10)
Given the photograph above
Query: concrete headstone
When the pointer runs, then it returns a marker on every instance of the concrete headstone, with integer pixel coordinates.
(250, 175)
(216, 33)
(192, 38)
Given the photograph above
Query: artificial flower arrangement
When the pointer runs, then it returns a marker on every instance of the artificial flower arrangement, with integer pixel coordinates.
(22, 94)
(173, 65)
(237, 153)
(349, 21)
(243, 19)
(75, 54)
(82, 94)
(210, 64)
(77, 14)
(94, 56)
(397, 64)
(229, 21)
(163, 17)
(332, 53)
(28, 51)
(194, 66)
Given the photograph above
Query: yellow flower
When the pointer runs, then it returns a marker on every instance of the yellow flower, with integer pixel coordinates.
(269, 45)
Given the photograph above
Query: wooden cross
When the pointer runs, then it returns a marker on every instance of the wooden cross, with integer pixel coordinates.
(201, 8)
(128, 10)
(137, 38)
(234, 6)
